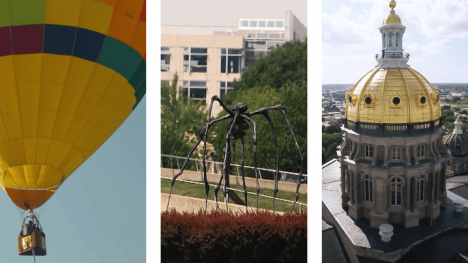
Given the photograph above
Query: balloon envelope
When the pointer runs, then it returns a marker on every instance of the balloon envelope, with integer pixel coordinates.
(70, 73)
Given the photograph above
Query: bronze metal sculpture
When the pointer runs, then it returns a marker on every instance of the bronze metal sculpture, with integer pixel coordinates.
(237, 127)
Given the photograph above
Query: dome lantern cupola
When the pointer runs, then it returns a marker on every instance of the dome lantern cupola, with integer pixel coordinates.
(457, 142)
(393, 97)
(392, 30)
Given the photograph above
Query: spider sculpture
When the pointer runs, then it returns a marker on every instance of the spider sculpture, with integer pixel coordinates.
(237, 127)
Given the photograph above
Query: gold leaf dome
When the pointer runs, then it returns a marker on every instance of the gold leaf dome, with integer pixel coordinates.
(392, 95)
(392, 19)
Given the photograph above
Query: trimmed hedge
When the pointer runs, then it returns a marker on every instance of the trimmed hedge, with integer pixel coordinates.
(222, 237)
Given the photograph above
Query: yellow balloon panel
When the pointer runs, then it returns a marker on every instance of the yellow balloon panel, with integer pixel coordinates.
(50, 126)
(8, 98)
(59, 12)
(28, 68)
(95, 16)
(79, 72)
(7, 70)
(55, 68)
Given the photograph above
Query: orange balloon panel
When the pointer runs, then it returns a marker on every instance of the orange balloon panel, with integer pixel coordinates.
(29, 199)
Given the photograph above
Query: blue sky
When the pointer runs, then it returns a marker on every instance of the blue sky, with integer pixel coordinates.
(436, 37)
(99, 213)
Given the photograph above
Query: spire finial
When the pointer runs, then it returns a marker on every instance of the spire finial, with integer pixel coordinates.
(458, 124)
(392, 4)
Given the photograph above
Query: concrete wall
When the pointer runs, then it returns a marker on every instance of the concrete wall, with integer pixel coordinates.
(214, 44)
(233, 179)
(190, 204)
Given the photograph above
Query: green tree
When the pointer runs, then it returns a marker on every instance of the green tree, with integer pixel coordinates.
(294, 98)
(446, 113)
(329, 144)
(284, 65)
(333, 128)
(450, 119)
(178, 115)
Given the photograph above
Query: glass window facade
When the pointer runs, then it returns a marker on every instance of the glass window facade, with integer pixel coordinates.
(224, 88)
(195, 59)
(231, 60)
(195, 90)
(165, 59)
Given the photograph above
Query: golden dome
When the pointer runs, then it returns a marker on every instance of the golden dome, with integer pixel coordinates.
(392, 19)
(392, 95)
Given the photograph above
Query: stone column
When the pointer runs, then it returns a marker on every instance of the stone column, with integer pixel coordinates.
(375, 198)
(351, 189)
(408, 156)
(356, 188)
(414, 197)
(385, 155)
(437, 150)
(343, 167)
(374, 157)
(415, 153)
(344, 194)
(356, 152)
(408, 194)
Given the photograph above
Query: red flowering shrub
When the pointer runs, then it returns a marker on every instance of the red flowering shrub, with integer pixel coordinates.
(221, 237)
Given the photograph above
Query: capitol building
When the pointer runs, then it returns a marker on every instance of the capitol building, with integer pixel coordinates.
(386, 194)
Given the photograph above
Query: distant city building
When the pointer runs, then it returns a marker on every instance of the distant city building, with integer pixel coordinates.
(208, 58)
(387, 191)
(457, 143)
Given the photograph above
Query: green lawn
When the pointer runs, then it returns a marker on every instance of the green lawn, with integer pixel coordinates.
(198, 191)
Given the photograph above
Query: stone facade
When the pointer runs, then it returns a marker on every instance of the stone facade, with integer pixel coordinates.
(393, 179)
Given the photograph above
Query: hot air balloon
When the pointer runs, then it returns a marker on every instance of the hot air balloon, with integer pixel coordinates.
(70, 73)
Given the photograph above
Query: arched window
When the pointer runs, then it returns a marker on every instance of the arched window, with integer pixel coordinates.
(383, 40)
(397, 42)
(421, 151)
(368, 188)
(420, 193)
(390, 40)
(369, 151)
(396, 186)
(396, 153)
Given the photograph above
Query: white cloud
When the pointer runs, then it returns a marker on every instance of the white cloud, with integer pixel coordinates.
(437, 19)
(434, 29)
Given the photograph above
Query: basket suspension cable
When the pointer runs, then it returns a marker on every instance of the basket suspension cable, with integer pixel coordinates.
(34, 254)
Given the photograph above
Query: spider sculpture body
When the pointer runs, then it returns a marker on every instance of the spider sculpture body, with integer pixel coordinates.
(237, 127)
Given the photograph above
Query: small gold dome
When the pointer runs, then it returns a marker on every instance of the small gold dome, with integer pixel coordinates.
(392, 95)
(392, 4)
(392, 19)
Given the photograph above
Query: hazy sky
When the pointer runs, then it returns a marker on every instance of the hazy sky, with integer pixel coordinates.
(99, 213)
(436, 37)
(227, 13)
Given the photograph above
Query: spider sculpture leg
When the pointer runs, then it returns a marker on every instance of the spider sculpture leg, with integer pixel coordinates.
(202, 135)
(242, 173)
(275, 190)
(207, 187)
(226, 164)
(216, 98)
(254, 140)
(283, 111)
